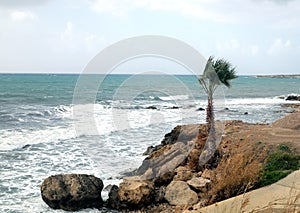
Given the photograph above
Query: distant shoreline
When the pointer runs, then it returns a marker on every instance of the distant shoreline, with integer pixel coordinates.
(278, 76)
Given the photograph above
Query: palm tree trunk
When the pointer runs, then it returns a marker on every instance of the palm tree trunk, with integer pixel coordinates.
(210, 119)
(210, 114)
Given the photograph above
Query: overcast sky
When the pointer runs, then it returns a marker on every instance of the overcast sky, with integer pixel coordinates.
(50, 36)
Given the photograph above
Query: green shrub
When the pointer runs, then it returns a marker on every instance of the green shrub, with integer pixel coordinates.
(284, 148)
(282, 161)
(279, 165)
(270, 177)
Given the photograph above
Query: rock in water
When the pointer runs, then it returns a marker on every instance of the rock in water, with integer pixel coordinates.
(72, 192)
(178, 193)
(293, 98)
(200, 109)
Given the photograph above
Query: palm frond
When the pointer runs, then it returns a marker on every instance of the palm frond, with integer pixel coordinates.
(203, 83)
(225, 71)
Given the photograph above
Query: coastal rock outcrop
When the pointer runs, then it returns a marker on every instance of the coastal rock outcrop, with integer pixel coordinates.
(178, 183)
(168, 155)
(293, 98)
(178, 193)
(72, 192)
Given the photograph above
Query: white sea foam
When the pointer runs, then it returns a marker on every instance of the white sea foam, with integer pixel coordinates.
(251, 101)
(112, 119)
(64, 111)
(174, 98)
(11, 139)
(29, 112)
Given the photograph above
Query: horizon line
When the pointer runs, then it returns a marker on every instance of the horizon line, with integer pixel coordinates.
(78, 73)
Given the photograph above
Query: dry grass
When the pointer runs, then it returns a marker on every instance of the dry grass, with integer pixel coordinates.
(237, 173)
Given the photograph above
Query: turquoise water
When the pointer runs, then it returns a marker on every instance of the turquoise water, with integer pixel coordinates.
(40, 136)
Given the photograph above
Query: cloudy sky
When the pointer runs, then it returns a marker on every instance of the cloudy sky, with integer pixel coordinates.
(51, 36)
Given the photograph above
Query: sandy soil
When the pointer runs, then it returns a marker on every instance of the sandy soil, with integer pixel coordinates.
(281, 197)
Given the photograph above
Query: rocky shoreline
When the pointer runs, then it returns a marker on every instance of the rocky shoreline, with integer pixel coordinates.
(291, 97)
(278, 76)
(170, 178)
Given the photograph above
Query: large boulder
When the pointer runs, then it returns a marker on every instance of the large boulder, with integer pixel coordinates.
(133, 193)
(72, 192)
(178, 193)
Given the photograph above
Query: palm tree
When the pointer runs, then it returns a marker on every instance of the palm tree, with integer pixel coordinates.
(215, 73)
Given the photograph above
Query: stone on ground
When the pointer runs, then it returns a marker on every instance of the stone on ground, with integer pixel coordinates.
(179, 193)
(199, 183)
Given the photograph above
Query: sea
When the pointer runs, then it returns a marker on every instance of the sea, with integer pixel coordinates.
(45, 123)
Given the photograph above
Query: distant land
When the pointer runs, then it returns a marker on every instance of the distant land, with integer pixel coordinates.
(278, 76)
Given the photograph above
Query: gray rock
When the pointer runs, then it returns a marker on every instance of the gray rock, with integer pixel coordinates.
(199, 183)
(151, 107)
(159, 194)
(72, 192)
(114, 198)
(152, 149)
(181, 139)
(179, 193)
(164, 178)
